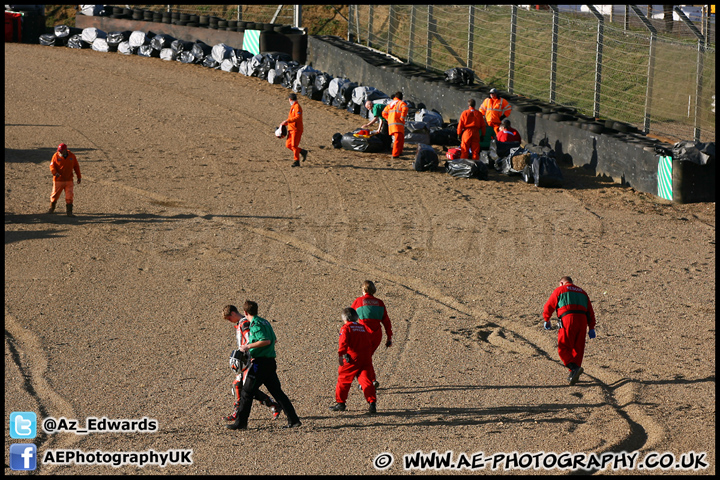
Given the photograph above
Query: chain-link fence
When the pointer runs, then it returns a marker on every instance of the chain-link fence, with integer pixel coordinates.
(629, 67)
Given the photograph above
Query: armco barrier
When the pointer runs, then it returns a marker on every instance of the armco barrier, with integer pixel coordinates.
(628, 159)
(294, 45)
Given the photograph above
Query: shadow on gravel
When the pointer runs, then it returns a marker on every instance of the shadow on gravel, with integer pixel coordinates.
(40, 155)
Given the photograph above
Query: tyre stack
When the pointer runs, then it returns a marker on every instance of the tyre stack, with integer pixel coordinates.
(203, 21)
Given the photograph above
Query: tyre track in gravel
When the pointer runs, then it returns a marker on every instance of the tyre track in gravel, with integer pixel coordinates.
(25, 345)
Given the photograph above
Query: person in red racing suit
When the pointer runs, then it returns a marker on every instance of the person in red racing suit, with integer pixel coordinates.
(242, 332)
(576, 315)
(355, 359)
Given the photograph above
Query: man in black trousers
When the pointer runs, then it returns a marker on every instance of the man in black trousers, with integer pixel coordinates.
(262, 371)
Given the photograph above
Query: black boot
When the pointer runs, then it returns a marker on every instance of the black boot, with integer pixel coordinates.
(52, 207)
(69, 210)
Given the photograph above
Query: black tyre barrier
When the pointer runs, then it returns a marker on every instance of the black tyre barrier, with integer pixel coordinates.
(194, 18)
(529, 109)
(561, 117)
(203, 20)
(595, 127)
(222, 24)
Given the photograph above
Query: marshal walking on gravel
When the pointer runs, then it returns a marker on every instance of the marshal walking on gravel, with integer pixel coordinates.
(575, 316)
(62, 166)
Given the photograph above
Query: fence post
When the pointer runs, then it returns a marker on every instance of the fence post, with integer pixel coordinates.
(513, 32)
(370, 25)
(471, 35)
(554, 52)
(651, 67)
(298, 16)
(428, 58)
(350, 36)
(699, 70)
(412, 33)
(390, 28)
(598, 60)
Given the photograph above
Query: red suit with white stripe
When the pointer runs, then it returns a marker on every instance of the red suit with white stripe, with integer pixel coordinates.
(355, 342)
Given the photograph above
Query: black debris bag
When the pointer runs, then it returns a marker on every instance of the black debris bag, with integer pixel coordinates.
(187, 57)
(116, 38)
(696, 152)
(49, 40)
(201, 50)
(545, 172)
(242, 55)
(464, 168)
(63, 32)
(322, 80)
(208, 61)
(460, 76)
(123, 47)
(346, 90)
(505, 165)
(326, 98)
(180, 46)
(369, 144)
(426, 158)
(417, 132)
(148, 51)
(431, 118)
(446, 137)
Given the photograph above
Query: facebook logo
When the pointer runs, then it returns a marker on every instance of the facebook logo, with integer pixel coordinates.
(23, 456)
(23, 425)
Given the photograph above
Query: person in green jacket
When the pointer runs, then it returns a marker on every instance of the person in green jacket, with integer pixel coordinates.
(262, 370)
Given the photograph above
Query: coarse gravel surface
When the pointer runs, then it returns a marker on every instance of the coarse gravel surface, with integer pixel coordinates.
(188, 203)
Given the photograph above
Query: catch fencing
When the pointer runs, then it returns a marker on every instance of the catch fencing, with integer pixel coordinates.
(628, 67)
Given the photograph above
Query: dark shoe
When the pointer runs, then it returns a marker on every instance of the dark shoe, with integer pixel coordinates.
(234, 426)
(69, 210)
(294, 424)
(303, 154)
(52, 207)
(338, 407)
(296, 163)
(372, 409)
(233, 415)
(576, 375)
(276, 410)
